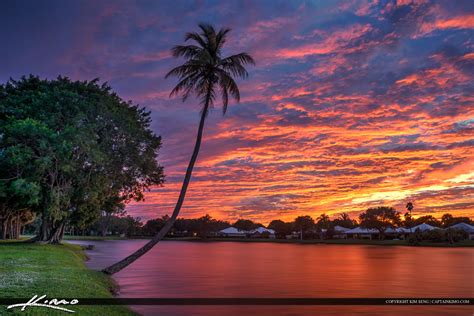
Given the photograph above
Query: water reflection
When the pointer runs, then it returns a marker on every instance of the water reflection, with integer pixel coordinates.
(232, 269)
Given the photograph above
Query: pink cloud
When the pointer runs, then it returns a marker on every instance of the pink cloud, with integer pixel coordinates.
(330, 43)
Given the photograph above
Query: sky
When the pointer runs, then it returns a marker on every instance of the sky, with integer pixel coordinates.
(351, 104)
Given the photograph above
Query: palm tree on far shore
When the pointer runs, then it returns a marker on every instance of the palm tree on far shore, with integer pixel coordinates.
(344, 217)
(323, 221)
(409, 208)
(208, 76)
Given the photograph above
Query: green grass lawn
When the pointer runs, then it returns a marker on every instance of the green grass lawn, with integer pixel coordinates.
(57, 271)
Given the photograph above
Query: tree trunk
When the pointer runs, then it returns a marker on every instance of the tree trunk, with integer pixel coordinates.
(105, 227)
(116, 267)
(17, 226)
(57, 234)
(45, 229)
(50, 232)
(4, 228)
(11, 228)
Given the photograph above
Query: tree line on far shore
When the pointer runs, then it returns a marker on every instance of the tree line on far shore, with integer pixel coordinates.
(380, 218)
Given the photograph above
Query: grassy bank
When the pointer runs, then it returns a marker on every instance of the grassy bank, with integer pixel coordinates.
(465, 243)
(58, 272)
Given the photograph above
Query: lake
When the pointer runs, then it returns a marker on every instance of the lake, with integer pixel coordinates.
(238, 269)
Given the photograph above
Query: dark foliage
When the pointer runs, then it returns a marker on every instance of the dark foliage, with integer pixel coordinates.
(71, 150)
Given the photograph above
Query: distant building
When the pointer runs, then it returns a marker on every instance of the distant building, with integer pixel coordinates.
(422, 227)
(341, 229)
(232, 232)
(262, 232)
(398, 230)
(340, 232)
(359, 232)
(294, 235)
(465, 227)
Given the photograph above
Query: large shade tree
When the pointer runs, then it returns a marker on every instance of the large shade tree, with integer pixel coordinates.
(448, 220)
(281, 228)
(303, 224)
(70, 150)
(380, 218)
(246, 224)
(427, 219)
(208, 75)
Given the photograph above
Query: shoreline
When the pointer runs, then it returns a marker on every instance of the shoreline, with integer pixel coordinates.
(465, 243)
(57, 271)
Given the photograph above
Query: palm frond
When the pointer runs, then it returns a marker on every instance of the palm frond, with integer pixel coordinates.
(197, 38)
(225, 99)
(207, 29)
(242, 58)
(205, 73)
(209, 34)
(235, 64)
(235, 69)
(185, 69)
(227, 82)
(221, 37)
(186, 51)
(186, 85)
(234, 89)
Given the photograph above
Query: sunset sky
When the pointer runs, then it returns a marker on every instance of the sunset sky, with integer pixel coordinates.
(351, 104)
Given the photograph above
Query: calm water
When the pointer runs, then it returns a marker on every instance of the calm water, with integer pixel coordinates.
(232, 269)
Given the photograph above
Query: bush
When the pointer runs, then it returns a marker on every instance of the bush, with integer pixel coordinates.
(435, 235)
(438, 235)
(457, 235)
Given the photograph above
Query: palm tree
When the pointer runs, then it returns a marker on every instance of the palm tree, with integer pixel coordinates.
(344, 217)
(323, 219)
(409, 208)
(206, 74)
(323, 222)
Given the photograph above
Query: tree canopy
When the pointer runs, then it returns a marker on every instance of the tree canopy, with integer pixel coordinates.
(380, 218)
(246, 224)
(281, 228)
(344, 220)
(70, 150)
(304, 223)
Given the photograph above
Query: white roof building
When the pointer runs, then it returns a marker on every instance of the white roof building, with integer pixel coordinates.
(232, 231)
(397, 230)
(262, 230)
(423, 227)
(341, 229)
(359, 230)
(463, 226)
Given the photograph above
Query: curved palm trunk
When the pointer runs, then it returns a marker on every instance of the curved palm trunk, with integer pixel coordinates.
(116, 267)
